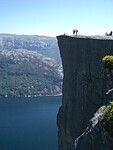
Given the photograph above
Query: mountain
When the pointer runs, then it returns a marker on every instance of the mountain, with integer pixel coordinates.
(45, 45)
(28, 73)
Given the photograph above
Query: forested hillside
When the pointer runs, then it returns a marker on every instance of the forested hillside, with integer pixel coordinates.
(28, 73)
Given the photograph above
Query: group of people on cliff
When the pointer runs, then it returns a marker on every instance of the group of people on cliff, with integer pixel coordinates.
(109, 34)
(75, 31)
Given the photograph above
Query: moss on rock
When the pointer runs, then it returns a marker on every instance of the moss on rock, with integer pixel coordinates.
(108, 118)
(108, 62)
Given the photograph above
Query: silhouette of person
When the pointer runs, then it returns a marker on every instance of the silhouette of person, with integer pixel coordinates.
(110, 34)
(75, 31)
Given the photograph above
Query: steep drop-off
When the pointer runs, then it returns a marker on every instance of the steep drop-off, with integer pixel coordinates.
(84, 84)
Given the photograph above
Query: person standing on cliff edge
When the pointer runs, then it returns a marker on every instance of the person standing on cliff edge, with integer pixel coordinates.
(75, 31)
(109, 34)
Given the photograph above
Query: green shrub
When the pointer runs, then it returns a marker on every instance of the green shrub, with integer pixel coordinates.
(108, 62)
(108, 118)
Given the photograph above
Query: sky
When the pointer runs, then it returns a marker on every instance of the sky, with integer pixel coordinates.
(56, 17)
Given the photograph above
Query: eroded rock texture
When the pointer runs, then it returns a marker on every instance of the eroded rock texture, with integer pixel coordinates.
(95, 137)
(84, 84)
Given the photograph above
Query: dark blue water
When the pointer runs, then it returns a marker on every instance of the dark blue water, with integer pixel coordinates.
(28, 123)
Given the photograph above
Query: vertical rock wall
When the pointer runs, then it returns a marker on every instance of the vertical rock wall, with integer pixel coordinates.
(84, 85)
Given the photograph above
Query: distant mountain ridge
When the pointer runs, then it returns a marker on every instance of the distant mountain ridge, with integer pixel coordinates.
(43, 44)
(28, 73)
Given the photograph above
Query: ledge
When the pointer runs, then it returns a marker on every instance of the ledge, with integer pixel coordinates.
(100, 37)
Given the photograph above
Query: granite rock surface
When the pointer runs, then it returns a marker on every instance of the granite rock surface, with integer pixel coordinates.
(84, 84)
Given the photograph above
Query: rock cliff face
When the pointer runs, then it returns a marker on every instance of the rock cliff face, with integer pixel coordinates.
(84, 84)
(95, 137)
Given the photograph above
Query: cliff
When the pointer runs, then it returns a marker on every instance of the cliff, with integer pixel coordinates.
(95, 137)
(84, 84)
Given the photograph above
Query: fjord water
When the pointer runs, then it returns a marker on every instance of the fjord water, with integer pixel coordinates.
(29, 123)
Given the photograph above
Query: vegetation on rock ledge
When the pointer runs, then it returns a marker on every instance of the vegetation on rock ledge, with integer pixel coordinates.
(108, 118)
(108, 62)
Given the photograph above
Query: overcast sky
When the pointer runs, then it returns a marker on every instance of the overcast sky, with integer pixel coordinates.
(55, 17)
